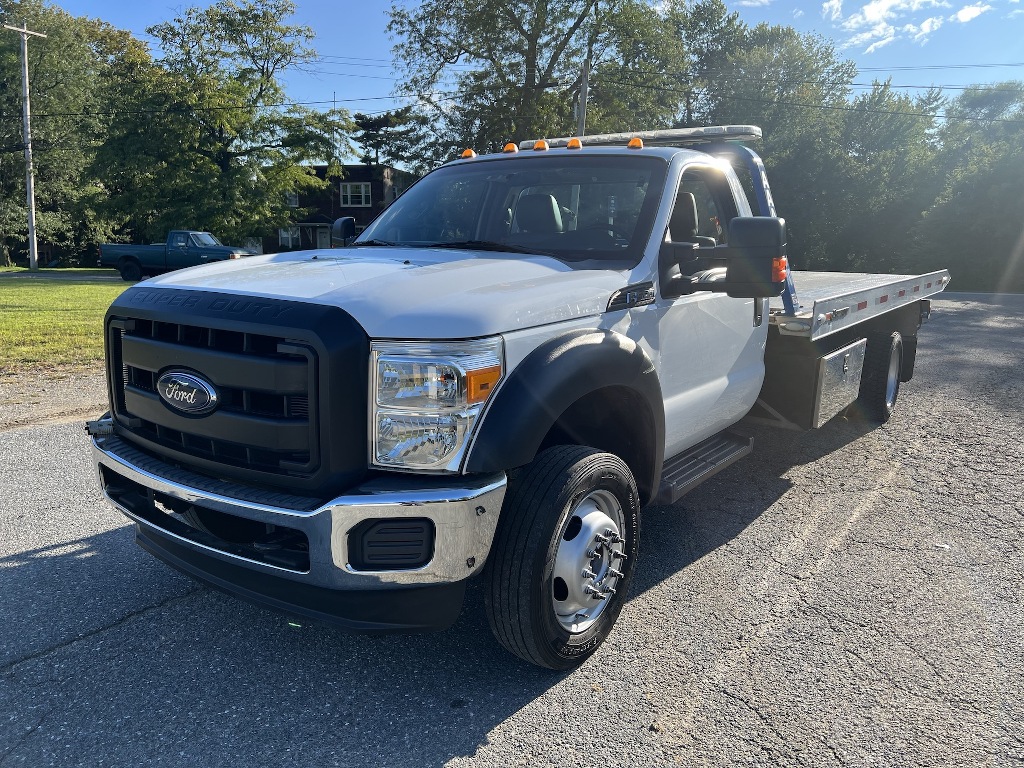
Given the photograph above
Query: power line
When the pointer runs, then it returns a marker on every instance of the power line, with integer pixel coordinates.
(833, 108)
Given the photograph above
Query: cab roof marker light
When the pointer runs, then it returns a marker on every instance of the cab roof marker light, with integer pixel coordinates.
(468, 154)
(510, 148)
(635, 143)
(540, 146)
(574, 143)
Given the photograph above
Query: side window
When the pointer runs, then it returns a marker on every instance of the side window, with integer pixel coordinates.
(704, 207)
(178, 241)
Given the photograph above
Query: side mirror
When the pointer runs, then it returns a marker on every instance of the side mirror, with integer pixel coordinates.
(343, 231)
(757, 258)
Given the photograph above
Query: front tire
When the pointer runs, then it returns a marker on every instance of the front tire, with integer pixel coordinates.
(563, 556)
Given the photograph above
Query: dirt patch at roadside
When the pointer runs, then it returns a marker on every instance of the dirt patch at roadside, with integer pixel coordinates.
(35, 396)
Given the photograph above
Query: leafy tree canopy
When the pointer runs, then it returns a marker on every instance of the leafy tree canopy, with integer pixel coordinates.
(210, 141)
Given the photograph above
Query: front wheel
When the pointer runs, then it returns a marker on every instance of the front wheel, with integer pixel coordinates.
(563, 556)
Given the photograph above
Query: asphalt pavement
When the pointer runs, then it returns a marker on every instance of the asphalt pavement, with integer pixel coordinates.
(849, 596)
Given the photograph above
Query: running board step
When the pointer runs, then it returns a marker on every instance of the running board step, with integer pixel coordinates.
(684, 472)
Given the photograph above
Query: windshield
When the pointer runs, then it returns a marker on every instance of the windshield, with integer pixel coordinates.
(205, 238)
(577, 208)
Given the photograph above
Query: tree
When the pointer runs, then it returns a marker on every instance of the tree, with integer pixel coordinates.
(70, 71)
(393, 136)
(974, 226)
(488, 73)
(209, 140)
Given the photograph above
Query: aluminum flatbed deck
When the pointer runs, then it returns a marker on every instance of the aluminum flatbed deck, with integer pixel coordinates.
(833, 301)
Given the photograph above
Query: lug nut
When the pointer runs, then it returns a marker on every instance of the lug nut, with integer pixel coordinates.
(615, 573)
(608, 591)
(588, 574)
(601, 538)
(595, 593)
(619, 555)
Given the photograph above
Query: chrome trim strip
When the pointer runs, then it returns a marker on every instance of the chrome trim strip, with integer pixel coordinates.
(463, 533)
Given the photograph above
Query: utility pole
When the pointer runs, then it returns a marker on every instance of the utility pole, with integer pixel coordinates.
(33, 253)
(581, 125)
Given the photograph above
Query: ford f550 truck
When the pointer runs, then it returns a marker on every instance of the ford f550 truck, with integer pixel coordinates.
(490, 381)
(184, 248)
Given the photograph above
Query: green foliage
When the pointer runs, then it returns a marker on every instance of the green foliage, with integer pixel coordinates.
(207, 143)
(975, 226)
(519, 67)
(392, 137)
(68, 71)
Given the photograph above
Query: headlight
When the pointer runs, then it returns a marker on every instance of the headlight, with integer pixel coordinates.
(426, 399)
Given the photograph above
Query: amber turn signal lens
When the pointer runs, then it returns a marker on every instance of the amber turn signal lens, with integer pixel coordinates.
(780, 266)
(540, 146)
(468, 153)
(480, 383)
(510, 148)
(574, 144)
(635, 143)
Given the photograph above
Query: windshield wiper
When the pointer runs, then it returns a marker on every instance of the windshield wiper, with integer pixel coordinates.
(372, 242)
(490, 245)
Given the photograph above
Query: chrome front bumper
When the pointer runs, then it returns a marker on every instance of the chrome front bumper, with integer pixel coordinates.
(463, 510)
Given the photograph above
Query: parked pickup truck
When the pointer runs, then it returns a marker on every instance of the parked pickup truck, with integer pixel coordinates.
(490, 382)
(184, 248)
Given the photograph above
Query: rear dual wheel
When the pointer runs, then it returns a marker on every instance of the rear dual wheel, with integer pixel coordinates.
(130, 270)
(880, 381)
(563, 555)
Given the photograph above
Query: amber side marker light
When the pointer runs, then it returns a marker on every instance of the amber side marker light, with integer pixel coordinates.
(480, 383)
(574, 144)
(510, 148)
(540, 146)
(468, 154)
(636, 143)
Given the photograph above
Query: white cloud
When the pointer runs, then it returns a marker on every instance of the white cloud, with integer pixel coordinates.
(878, 23)
(1015, 14)
(921, 32)
(970, 12)
(833, 9)
(754, 3)
(881, 43)
(878, 11)
(870, 36)
(797, 13)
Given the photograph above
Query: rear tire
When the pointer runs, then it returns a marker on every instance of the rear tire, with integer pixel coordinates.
(130, 270)
(880, 382)
(563, 554)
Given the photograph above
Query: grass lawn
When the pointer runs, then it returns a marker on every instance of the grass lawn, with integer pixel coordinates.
(53, 322)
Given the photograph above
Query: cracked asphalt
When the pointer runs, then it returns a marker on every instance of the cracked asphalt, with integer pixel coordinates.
(849, 596)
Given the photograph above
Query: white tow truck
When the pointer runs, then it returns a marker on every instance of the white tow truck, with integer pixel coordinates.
(489, 381)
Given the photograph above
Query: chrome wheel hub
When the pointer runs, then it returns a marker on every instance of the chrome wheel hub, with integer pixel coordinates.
(588, 561)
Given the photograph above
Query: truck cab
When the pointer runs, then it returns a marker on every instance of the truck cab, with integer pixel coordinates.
(489, 382)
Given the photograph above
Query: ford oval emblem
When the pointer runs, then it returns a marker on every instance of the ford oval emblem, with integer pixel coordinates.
(187, 393)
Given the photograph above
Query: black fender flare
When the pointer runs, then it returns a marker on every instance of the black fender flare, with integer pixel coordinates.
(552, 378)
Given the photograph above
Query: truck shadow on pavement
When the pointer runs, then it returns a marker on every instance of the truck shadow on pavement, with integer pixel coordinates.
(137, 664)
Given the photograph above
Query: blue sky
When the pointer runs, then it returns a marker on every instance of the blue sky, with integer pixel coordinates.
(916, 42)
